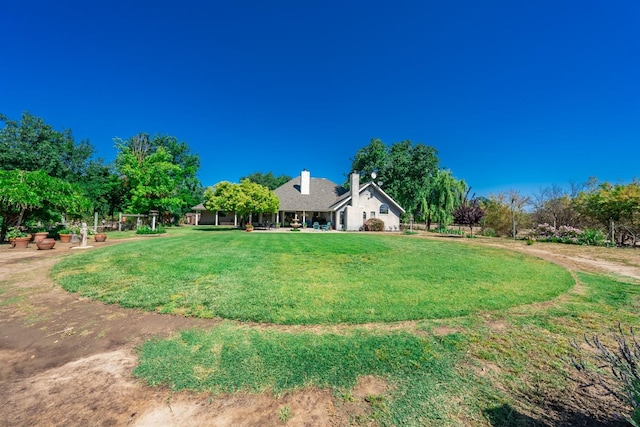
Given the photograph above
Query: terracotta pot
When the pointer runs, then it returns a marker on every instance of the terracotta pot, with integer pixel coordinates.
(39, 236)
(100, 237)
(21, 242)
(47, 243)
(65, 238)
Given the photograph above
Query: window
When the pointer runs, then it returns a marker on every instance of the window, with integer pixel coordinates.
(341, 217)
(384, 209)
(373, 214)
(364, 215)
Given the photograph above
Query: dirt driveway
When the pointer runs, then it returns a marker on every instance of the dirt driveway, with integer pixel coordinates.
(67, 360)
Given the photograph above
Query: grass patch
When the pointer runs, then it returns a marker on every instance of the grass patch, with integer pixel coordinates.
(309, 278)
(501, 368)
(230, 358)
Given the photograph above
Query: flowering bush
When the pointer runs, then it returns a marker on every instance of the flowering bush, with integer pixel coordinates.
(374, 224)
(567, 234)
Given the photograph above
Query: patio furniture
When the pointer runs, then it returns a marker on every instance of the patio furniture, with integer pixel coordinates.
(316, 226)
(327, 226)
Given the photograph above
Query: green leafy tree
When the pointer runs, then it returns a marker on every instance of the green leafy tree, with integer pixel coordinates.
(268, 179)
(31, 144)
(613, 206)
(406, 170)
(158, 173)
(441, 198)
(245, 198)
(371, 158)
(103, 187)
(505, 212)
(23, 193)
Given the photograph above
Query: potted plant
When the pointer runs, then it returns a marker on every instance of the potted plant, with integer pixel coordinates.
(65, 235)
(248, 227)
(100, 237)
(18, 238)
(39, 233)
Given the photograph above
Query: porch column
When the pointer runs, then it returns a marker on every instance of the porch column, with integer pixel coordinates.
(235, 219)
(217, 218)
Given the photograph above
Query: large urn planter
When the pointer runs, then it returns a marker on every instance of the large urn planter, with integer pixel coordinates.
(100, 237)
(45, 244)
(65, 238)
(21, 242)
(38, 236)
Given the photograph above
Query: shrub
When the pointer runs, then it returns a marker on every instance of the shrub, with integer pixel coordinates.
(567, 234)
(592, 237)
(145, 229)
(16, 232)
(489, 232)
(623, 362)
(445, 230)
(374, 224)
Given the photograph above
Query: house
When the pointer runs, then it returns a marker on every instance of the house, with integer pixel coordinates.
(320, 200)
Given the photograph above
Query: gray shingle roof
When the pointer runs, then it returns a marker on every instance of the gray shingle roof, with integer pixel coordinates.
(322, 194)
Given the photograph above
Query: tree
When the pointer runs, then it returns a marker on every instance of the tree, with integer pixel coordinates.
(469, 213)
(244, 198)
(553, 205)
(31, 145)
(371, 158)
(613, 206)
(103, 187)
(158, 173)
(441, 198)
(25, 192)
(505, 214)
(268, 180)
(406, 170)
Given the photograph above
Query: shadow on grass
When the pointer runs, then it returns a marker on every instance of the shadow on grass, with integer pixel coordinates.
(216, 228)
(556, 415)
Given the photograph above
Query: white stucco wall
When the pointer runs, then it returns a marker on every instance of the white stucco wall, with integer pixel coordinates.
(369, 202)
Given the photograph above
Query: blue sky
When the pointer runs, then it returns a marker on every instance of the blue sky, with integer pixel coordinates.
(513, 94)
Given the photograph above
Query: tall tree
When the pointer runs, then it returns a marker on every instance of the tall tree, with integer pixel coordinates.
(31, 144)
(553, 205)
(441, 198)
(613, 206)
(406, 170)
(268, 179)
(159, 173)
(505, 213)
(371, 158)
(103, 187)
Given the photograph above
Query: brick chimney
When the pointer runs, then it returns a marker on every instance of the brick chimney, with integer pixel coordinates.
(354, 183)
(305, 181)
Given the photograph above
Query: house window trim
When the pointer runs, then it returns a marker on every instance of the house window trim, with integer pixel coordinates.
(384, 209)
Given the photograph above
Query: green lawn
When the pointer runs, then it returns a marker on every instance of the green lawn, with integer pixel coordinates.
(479, 353)
(309, 278)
